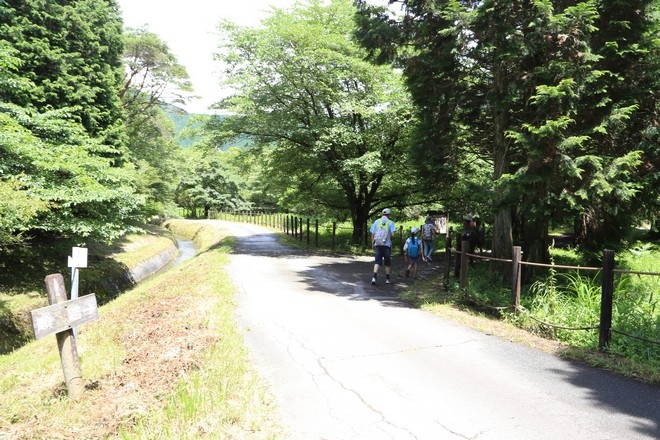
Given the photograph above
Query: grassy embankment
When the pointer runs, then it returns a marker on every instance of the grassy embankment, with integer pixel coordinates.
(24, 268)
(164, 360)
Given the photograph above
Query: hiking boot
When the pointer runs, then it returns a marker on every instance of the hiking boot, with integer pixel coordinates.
(373, 281)
(387, 281)
(407, 273)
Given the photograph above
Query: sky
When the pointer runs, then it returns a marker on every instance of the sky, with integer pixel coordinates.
(188, 27)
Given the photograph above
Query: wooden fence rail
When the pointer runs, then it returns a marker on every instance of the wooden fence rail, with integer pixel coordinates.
(607, 286)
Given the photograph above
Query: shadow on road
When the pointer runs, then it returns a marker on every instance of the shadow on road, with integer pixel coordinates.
(336, 274)
(619, 395)
(349, 277)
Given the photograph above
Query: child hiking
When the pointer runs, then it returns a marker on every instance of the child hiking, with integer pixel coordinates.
(413, 251)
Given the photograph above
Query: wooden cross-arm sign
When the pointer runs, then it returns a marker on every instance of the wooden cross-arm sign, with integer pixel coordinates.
(64, 316)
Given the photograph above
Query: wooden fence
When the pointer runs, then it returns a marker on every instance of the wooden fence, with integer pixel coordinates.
(302, 229)
(607, 272)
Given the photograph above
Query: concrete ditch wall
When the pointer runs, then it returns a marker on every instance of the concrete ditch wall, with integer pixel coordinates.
(153, 264)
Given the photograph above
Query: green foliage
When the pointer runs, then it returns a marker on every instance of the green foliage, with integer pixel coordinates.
(73, 188)
(70, 53)
(153, 75)
(330, 127)
(16, 209)
(572, 299)
(153, 82)
(538, 92)
(207, 184)
(568, 299)
(62, 163)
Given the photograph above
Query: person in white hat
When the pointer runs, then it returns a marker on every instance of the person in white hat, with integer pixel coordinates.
(382, 232)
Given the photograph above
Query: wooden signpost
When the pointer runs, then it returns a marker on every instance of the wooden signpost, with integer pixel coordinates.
(60, 317)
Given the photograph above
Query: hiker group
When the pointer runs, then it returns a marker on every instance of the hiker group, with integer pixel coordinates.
(414, 248)
(419, 245)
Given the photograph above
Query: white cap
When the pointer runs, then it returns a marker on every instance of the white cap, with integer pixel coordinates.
(386, 211)
(414, 230)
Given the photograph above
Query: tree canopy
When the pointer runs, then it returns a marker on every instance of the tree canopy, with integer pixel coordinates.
(62, 156)
(332, 128)
(153, 84)
(560, 98)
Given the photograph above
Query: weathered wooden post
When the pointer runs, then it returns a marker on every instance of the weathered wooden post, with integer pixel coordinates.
(447, 256)
(515, 277)
(607, 293)
(316, 233)
(60, 318)
(465, 245)
(308, 230)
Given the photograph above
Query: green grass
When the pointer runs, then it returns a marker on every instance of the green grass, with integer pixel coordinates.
(214, 394)
(571, 298)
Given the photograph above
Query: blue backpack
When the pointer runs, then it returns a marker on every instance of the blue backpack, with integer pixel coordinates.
(413, 247)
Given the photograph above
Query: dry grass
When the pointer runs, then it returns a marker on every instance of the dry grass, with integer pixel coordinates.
(150, 350)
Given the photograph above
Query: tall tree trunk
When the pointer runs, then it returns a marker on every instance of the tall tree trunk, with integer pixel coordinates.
(502, 229)
(535, 244)
(360, 226)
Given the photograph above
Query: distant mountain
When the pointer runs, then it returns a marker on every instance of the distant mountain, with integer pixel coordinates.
(181, 119)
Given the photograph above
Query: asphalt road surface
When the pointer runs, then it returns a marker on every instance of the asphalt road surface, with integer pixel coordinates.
(347, 360)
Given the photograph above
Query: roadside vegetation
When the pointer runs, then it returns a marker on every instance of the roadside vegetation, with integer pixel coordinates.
(164, 360)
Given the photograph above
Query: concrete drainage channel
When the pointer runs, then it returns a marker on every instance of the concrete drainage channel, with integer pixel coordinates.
(172, 257)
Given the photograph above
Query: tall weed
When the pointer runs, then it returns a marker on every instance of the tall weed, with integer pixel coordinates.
(570, 300)
(573, 299)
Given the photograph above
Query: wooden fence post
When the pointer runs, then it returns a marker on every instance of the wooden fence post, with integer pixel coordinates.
(447, 257)
(607, 293)
(465, 245)
(515, 278)
(66, 343)
(308, 220)
(316, 232)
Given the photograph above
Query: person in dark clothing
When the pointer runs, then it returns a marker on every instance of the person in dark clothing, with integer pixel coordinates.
(469, 234)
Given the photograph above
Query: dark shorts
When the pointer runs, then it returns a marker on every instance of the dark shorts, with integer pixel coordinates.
(383, 253)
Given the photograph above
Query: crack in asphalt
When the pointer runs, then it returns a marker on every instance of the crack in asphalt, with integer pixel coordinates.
(327, 373)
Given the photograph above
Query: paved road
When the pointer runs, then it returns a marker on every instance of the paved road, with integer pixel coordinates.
(346, 360)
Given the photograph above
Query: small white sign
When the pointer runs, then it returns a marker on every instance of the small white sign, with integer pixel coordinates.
(78, 257)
